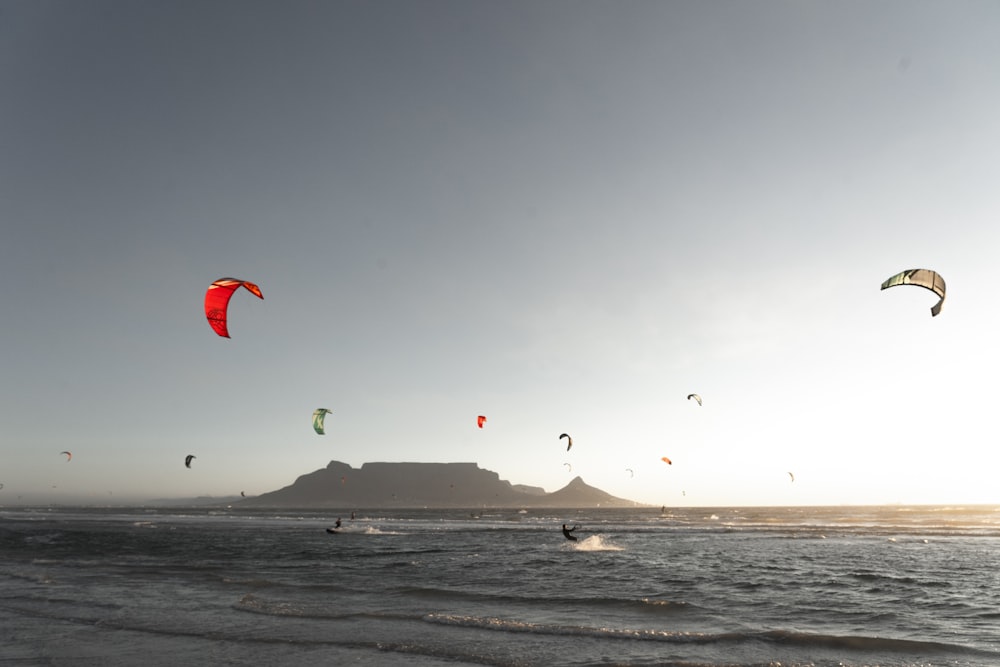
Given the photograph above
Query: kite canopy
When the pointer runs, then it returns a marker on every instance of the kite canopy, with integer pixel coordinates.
(667, 461)
(921, 278)
(217, 301)
(318, 420)
(695, 397)
(480, 420)
(187, 460)
(569, 440)
(69, 456)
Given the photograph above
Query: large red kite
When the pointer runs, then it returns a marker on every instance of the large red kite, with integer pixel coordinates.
(217, 301)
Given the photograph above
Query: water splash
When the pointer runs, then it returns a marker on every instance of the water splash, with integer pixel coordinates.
(596, 543)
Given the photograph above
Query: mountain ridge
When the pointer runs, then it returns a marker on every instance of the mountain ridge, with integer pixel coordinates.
(410, 484)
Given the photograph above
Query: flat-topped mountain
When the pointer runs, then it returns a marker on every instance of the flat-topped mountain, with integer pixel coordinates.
(425, 485)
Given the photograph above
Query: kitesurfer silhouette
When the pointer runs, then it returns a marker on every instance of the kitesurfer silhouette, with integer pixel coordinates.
(567, 531)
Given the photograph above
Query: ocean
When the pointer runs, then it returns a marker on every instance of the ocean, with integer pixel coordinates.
(831, 586)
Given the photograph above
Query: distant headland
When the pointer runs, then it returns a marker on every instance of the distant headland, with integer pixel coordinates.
(378, 485)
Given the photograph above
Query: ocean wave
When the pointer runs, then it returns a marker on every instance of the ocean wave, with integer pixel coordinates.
(258, 605)
(785, 638)
(58, 608)
(252, 582)
(395, 553)
(511, 625)
(315, 610)
(33, 576)
(898, 580)
(291, 587)
(865, 644)
(642, 605)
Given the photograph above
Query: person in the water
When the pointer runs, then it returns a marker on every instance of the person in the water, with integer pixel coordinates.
(567, 531)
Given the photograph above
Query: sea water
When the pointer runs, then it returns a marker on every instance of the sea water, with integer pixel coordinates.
(845, 586)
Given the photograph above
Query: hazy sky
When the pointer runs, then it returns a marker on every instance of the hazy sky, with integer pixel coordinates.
(564, 215)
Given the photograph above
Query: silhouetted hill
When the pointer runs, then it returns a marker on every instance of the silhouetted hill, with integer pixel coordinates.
(424, 485)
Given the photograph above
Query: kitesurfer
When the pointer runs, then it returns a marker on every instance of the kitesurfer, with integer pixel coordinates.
(337, 524)
(567, 531)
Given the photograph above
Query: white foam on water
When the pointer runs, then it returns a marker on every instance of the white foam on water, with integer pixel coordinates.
(596, 543)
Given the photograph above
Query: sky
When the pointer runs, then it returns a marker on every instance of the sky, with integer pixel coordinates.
(564, 215)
